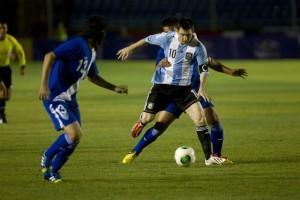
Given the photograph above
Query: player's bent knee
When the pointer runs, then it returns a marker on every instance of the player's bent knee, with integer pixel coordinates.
(211, 116)
(74, 136)
(147, 117)
(74, 132)
(200, 122)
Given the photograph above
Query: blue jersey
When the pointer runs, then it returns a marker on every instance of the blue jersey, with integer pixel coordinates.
(195, 82)
(75, 59)
(183, 59)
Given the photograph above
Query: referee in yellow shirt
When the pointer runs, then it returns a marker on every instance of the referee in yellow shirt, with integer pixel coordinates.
(8, 46)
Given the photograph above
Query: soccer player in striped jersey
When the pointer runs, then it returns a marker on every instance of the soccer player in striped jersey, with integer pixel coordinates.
(173, 84)
(168, 115)
(8, 46)
(63, 69)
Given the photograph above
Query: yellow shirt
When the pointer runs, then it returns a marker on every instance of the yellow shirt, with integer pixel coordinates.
(8, 46)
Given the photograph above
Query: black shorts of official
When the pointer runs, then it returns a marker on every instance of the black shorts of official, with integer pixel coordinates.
(5, 75)
(162, 95)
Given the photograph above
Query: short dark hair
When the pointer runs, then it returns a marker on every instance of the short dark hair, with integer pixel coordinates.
(95, 29)
(186, 24)
(169, 21)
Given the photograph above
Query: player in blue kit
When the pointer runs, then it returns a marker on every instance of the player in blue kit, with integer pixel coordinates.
(167, 116)
(173, 84)
(63, 69)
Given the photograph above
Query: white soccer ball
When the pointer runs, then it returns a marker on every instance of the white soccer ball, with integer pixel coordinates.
(185, 156)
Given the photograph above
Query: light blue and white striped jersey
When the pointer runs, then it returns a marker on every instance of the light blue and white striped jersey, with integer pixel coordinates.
(181, 57)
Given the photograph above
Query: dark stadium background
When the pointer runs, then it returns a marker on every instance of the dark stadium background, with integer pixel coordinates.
(228, 28)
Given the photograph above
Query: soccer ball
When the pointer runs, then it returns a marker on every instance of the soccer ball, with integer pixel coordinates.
(185, 156)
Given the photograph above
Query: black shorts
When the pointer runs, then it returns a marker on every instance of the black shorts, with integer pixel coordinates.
(162, 95)
(5, 75)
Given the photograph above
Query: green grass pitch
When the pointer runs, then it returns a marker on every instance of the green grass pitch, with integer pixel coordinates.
(260, 116)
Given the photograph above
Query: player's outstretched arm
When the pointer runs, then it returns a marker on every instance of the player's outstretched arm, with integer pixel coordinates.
(125, 52)
(47, 64)
(218, 66)
(98, 80)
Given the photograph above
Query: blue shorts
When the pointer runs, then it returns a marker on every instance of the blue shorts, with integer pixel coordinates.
(62, 113)
(174, 110)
